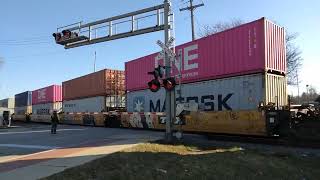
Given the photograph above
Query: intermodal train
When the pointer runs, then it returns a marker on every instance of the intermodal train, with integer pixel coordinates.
(236, 77)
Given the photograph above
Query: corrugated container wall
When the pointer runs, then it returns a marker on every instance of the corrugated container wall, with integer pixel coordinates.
(23, 99)
(22, 110)
(255, 47)
(93, 104)
(101, 83)
(46, 109)
(7, 103)
(235, 93)
(48, 94)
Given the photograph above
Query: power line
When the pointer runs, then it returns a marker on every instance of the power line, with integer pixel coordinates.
(37, 54)
(25, 44)
(28, 38)
(191, 8)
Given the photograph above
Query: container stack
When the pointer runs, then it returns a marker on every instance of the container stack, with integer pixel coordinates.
(7, 105)
(46, 100)
(95, 92)
(236, 69)
(23, 103)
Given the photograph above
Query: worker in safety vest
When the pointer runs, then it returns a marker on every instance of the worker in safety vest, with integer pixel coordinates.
(54, 122)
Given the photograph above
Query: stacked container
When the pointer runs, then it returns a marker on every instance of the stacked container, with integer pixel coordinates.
(95, 92)
(7, 105)
(23, 103)
(46, 100)
(236, 69)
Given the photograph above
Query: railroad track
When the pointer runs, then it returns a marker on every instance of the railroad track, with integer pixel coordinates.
(276, 141)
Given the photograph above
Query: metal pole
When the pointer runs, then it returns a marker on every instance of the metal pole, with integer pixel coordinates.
(168, 134)
(94, 63)
(307, 94)
(192, 20)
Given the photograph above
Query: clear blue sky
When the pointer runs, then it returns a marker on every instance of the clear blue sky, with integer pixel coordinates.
(33, 60)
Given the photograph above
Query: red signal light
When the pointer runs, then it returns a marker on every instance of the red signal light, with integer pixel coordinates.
(169, 83)
(57, 36)
(154, 85)
(66, 33)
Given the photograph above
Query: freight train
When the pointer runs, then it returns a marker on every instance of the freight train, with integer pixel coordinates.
(236, 78)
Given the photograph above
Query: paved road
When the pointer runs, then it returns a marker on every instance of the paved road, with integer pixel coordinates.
(31, 146)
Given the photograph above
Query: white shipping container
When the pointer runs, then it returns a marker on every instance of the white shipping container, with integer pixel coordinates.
(93, 104)
(235, 93)
(11, 111)
(46, 109)
(7, 103)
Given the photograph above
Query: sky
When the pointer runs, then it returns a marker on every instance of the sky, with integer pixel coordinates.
(32, 60)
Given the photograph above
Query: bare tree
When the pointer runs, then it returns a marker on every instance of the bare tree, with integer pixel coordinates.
(293, 52)
(218, 27)
(312, 93)
(294, 59)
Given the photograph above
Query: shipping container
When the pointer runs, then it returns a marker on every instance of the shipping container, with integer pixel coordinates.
(46, 109)
(255, 47)
(102, 83)
(23, 110)
(235, 93)
(7, 103)
(23, 99)
(93, 104)
(2, 109)
(48, 94)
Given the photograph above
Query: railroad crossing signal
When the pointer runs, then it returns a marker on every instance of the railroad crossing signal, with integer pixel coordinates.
(169, 83)
(166, 49)
(154, 85)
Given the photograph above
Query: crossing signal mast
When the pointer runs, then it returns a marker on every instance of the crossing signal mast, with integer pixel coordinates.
(79, 34)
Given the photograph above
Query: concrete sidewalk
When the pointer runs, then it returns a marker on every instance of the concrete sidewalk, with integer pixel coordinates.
(46, 163)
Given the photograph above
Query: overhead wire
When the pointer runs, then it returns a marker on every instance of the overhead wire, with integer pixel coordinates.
(27, 41)
(59, 52)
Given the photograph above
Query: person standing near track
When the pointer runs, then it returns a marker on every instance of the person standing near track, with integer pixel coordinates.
(54, 122)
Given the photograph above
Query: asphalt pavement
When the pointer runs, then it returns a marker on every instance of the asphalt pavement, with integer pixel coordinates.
(30, 151)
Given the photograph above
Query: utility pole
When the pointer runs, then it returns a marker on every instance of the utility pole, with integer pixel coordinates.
(191, 8)
(94, 62)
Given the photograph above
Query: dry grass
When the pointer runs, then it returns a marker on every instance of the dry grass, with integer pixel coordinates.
(160, 161)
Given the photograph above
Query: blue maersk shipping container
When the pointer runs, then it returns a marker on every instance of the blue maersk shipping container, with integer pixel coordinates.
(23, 99)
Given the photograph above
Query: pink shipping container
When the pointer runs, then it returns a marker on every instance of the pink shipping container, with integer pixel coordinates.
(258, 46)
(48, 94)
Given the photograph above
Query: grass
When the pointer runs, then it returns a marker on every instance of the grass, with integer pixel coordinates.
(189, 161)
